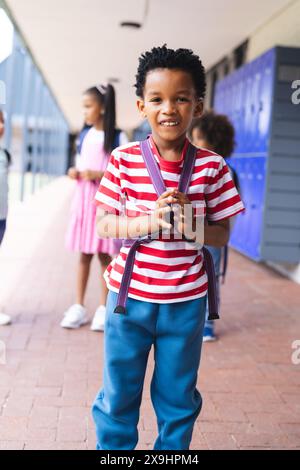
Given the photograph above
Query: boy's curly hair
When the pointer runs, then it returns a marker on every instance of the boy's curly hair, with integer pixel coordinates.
(162, 57)
(217, 130)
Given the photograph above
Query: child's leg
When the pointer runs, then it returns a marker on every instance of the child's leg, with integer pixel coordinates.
(177, 349)
(104, 259)
(127, 342)
(83, 276)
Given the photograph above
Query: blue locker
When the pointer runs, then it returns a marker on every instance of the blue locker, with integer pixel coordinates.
(240, 229)
(257, 99)
(242, 126)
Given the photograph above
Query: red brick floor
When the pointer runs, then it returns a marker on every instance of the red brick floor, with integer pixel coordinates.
(250, 387)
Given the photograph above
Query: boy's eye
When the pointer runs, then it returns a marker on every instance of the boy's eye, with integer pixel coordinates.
(180, 98)
(158, 100)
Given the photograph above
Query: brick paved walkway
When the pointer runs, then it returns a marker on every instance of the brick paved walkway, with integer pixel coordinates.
(250, 387)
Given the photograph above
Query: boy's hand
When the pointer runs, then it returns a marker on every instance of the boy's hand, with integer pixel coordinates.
(90, 175)
(87, 175)
(73, 173)
(183, 214)
(162, 208)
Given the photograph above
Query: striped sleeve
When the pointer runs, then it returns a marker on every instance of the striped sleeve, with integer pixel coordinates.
(109, 194)
(221, 196)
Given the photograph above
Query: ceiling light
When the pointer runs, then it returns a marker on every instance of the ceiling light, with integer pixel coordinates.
(137, 24)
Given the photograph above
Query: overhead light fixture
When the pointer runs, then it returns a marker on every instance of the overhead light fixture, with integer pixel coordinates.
(130, 24)
(137, 24)
(113, 80)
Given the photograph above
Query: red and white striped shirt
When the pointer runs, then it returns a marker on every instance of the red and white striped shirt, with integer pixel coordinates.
(165, 271)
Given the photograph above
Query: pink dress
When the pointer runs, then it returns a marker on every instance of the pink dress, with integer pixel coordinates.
(81, 234)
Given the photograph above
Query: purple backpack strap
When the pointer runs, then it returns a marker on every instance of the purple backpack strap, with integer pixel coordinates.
(126, 277)
(159, 186)
(152, 167)
(155, 173)
(212, 285)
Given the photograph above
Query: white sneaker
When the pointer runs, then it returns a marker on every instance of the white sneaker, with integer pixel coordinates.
(4, 319)
(74, 317)
(99, 319)
(209, 339)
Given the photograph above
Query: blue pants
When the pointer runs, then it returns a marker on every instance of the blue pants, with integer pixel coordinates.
(176, 331)
(2, 229)
(216, 254)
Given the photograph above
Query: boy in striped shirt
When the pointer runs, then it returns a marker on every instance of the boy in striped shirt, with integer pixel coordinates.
(168, 289)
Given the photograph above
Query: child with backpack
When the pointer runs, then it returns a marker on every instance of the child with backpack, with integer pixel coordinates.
(216, 133)
(97, 139)
(5, 160)
(158, 283)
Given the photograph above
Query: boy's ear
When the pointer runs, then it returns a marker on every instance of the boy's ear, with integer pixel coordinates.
(141, 107)
(199, 108)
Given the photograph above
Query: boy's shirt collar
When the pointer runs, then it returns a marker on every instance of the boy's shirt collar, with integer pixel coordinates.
(168, 165)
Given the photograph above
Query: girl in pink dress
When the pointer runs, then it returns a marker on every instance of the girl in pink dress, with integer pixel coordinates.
(98, 142)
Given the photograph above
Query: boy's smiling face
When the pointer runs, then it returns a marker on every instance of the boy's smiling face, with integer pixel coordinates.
(170, 103)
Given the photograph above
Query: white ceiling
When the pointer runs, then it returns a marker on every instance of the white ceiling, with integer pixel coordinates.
(78, 43)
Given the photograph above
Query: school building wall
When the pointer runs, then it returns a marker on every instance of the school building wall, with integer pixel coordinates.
(281, 29)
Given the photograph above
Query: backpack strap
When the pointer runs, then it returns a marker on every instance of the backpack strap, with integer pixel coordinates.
(152, 167)
(126, 277)
(212, 295)
(155, 173)
(183, 186)
(159, 186)
(81, 137)
(116, 141)
(84, 132)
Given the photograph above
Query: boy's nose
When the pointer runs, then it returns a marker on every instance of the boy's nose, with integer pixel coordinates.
(169, 108)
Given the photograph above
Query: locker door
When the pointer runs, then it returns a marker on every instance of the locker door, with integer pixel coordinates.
(266, 98)
(217, 95)
(239, 233)
(256, 78)
(231, 97)
(219, 98)
(257, 70)
(239, 114)
(235, 102)
(249, 203)
(257, 206)
(248, 137)
(226, 104)
(242, 129)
